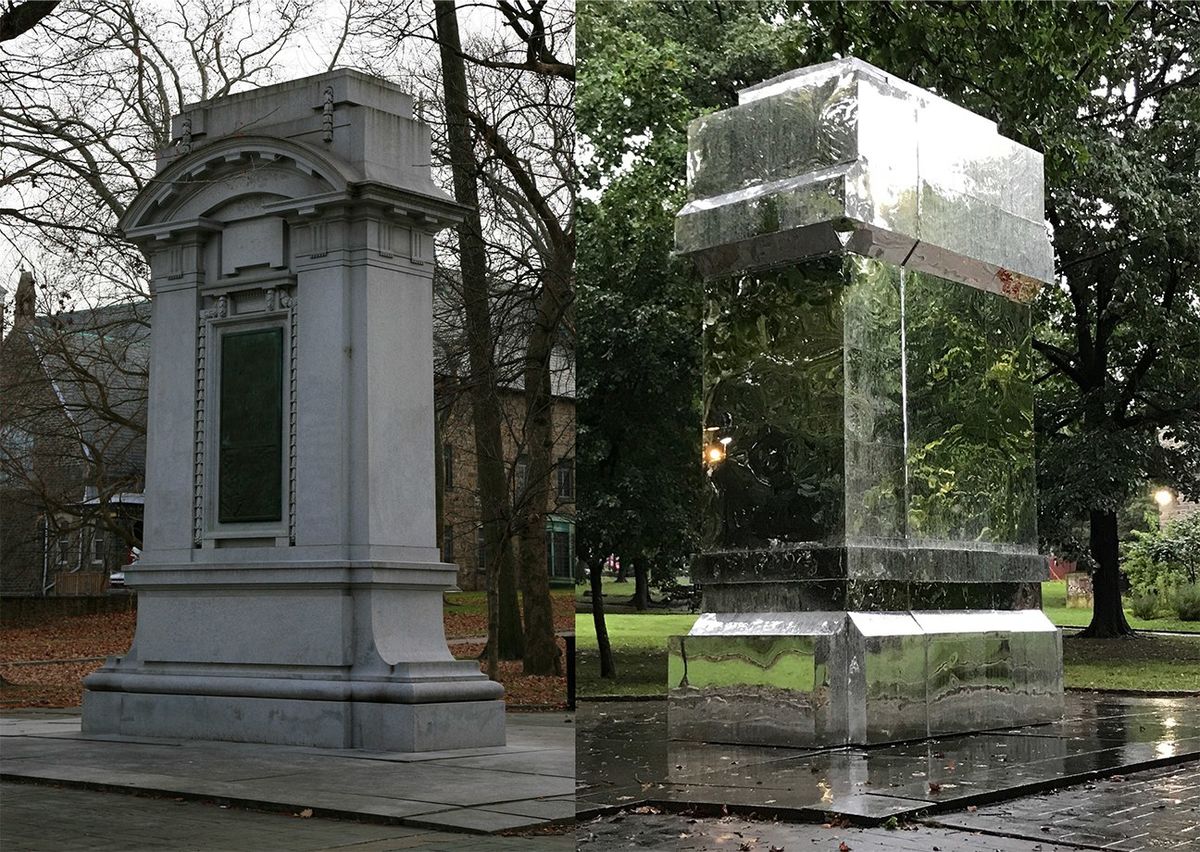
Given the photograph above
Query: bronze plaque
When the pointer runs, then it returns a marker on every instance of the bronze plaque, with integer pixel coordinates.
(251, 427)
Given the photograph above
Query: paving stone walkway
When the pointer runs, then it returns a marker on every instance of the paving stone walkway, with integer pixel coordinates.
(1151, 810)
(38, 818)
(625, 759)
(524, 785)
(1157, 809)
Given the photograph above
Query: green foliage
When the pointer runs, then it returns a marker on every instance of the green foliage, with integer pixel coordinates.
(1162, 559)
(1144, 605)
(1187, 602)
(646, 70)
(1108, 91)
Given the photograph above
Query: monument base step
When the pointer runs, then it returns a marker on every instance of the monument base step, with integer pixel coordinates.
(817, 679)
(375, 726)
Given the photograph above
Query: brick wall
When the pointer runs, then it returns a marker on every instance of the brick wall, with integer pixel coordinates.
(460, 509)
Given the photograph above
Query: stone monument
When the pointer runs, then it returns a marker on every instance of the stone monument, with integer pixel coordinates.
(870, 570)
(290, 589)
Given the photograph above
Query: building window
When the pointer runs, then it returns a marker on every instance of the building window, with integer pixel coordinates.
(447, 466)
(99, 545)
(520, 478)
(448, 544)
(560, 546)
(566, 479)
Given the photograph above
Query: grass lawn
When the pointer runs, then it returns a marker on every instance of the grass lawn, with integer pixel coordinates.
(1155, 663)
(614, 592)
(1165, 663)
(475, 603)
(1054, 604)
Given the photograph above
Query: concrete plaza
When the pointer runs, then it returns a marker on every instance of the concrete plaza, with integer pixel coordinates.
(524, 787)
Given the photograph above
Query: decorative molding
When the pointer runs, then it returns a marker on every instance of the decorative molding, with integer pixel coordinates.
(327, 115)
(185, 136)
(312, 239)
(320, 239)
(174, 262)
(198, 443)
(275, 300)
(288, 302)
(415, 246)
(219, 310)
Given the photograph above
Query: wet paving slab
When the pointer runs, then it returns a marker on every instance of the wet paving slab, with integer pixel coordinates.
(524, 785)
(681, 833)
(625, 760)
(1155, 809)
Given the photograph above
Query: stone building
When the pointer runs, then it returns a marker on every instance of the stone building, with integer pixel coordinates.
(72, 444)
(462, 537)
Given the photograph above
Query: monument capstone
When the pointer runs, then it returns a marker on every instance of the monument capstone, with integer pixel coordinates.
(870, 570)
(290, 588)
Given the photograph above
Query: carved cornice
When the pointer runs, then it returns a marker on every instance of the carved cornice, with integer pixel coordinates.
(201, 165)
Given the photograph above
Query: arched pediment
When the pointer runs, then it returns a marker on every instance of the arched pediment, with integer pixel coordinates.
(215, 175)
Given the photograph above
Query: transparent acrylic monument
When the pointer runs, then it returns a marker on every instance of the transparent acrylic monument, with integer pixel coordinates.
(870, 569)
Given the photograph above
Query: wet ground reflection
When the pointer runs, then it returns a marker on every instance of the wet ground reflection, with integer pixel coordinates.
(624, 757)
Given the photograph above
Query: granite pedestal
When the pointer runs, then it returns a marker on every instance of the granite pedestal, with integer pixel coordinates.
(290, 589)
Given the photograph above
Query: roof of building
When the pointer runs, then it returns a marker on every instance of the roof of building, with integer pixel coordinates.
(97, 360)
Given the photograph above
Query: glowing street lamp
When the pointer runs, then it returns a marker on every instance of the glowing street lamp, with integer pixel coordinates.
(1164, 497)
(715, 449)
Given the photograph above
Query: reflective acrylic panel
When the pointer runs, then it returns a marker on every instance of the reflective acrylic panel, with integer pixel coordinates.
(774, 685)
(861, 405)
(970, 414)
(887, 690)
(862, 677)
(848, 144)
(773, 385)
(809, 126)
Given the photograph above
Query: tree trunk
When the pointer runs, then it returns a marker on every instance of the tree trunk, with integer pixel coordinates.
(510, 639)
(608, 668)
(641, 585)
(485, 405)
(541, 647)
(1108, 616)
(542, 656)
(621, 578)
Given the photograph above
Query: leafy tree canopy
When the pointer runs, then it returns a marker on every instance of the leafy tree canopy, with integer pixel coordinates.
(1109, 92)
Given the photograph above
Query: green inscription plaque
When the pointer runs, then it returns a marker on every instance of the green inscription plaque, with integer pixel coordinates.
(251, 427)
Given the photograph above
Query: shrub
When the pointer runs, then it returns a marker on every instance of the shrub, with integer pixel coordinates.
(1163, 558)
(1187, 602)
(1144, 605)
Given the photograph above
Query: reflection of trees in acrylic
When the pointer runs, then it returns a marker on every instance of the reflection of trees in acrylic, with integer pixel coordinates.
(804, 374)
(773, 371)
(970, 451)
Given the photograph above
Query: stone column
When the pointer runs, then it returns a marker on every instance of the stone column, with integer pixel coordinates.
(290, 589)
(870, 569)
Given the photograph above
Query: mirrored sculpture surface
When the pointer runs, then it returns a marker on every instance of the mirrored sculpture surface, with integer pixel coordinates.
(870, 568)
